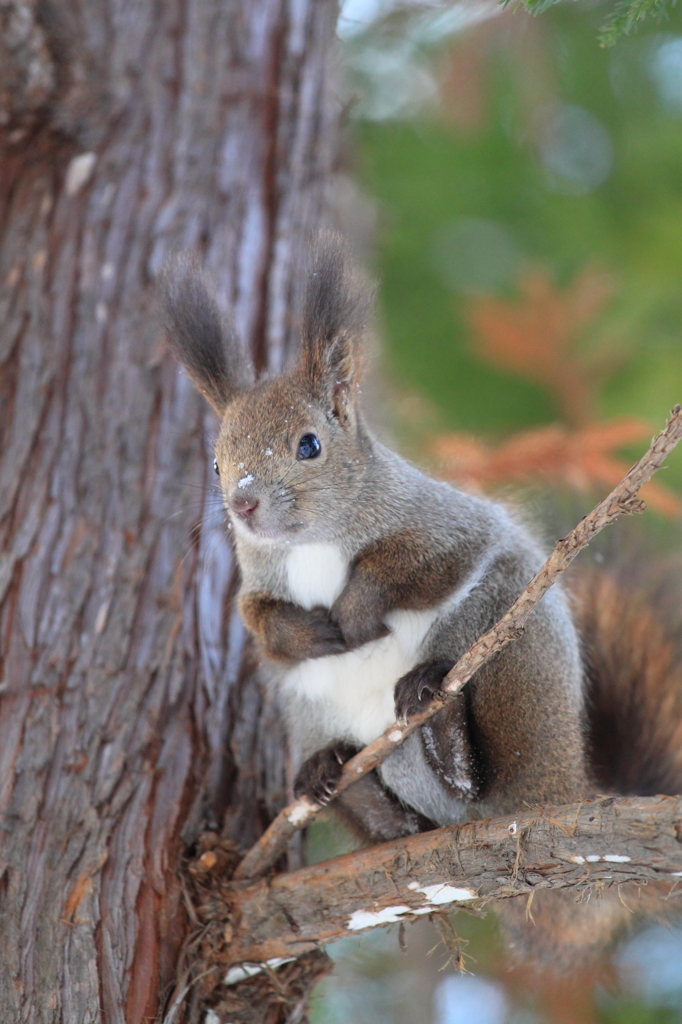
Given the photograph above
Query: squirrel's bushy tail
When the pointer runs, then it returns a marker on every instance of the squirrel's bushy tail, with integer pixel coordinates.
(632, 636)
(632, 643)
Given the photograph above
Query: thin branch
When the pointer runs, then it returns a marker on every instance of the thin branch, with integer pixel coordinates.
(588, 847)
(622, 500)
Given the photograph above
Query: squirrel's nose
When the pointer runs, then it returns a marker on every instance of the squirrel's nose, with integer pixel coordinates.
(244, 506)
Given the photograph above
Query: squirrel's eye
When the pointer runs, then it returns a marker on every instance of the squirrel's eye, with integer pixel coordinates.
(309, 447)
(215, 467)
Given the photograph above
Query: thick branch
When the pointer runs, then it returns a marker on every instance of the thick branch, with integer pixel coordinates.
(603, 842)
(622, 500)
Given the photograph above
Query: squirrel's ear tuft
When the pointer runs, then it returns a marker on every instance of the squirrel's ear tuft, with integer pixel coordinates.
(200, 335)
(337, 307)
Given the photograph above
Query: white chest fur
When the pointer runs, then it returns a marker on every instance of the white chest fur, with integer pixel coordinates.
(316, 574)
(352, 693)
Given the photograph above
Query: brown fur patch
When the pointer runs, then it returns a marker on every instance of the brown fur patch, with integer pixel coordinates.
(400, 571)
(289, 633)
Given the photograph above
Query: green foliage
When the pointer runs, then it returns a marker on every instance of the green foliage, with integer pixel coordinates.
(625, 17)
(631, 1012)
(427, 175)
(532, 6)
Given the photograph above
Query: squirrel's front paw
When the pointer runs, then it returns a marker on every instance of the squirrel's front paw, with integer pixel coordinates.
(414, 691)
(320, 774)
(358, 624)
(297, 634)
(324, 636)
(286, 632)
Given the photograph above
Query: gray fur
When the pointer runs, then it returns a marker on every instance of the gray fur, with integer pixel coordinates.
(407, 774)
(539, 703)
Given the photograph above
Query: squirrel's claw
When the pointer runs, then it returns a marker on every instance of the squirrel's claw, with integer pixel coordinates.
(415, 690)
(319, 775)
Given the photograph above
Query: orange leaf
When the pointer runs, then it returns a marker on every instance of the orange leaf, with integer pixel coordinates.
(536, 336)
(583, 459)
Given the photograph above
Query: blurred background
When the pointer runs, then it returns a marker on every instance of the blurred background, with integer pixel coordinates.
(522, 189)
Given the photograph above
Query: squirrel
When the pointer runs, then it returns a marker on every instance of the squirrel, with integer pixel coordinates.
(363, 580)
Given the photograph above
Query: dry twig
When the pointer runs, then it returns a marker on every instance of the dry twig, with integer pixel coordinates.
(622, 500)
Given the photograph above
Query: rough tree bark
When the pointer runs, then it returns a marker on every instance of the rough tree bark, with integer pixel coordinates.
(127, 130)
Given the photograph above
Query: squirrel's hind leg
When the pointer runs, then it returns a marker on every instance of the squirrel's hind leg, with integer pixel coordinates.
(318, 777)
(367, 807)
(447, 738)
(375, 815)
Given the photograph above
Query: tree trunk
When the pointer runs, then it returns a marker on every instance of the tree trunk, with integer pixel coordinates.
(128, 718)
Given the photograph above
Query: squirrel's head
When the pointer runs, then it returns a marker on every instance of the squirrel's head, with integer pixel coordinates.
(292, 451)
